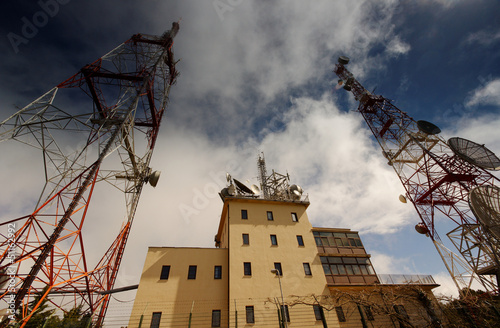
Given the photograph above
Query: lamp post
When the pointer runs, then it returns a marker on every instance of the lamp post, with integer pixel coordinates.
(278, 273)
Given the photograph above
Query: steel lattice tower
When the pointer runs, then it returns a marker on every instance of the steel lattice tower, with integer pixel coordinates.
(98, 126)
(437, 182)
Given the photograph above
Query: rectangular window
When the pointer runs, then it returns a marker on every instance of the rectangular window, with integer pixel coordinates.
(284, 312)
(218, 272)
(246, 239)
(317, 312)
(155, 320)
(274, 240)
(216, 318)
(340, 313)
(247, 268)
(270, 216)
(244, 215)
(192, 272)
(249, 313)
(294, 217)
(318, 241)
(307, 269)
(165, 271)
(300, 241)
(277, 266)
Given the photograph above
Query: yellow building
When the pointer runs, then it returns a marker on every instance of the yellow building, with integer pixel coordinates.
(266, 251)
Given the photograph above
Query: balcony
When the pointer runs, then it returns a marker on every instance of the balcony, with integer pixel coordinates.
(406, 279)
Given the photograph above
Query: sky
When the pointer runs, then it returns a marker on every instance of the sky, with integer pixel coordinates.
(256, 76)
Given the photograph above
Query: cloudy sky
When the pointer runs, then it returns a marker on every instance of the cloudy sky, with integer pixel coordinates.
(256, 76)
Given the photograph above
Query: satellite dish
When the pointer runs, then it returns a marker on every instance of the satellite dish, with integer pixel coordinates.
(484, 202)
(225, 192)
(153, 178)
(428, 127)
(231, 190)
(255, 189)
(402, 199)
(295, 191)
(474, 153)
(242, 187)
(343, 60)
(421, 228)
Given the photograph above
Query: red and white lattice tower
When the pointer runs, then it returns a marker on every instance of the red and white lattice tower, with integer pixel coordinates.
(437, 181)
(98, 126)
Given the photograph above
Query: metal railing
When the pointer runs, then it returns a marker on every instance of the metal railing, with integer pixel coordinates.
(405, 279)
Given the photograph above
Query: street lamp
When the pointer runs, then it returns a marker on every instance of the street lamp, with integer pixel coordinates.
(278, 273)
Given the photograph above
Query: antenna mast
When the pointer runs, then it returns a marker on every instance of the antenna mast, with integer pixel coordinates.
(437, 181)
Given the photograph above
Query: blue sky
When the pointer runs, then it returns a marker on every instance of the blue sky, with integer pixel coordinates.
(257, 76)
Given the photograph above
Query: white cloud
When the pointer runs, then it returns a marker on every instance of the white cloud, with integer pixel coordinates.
(387, 264)
(484, 38)
(487, 94)
(447, 287)
(396, 47)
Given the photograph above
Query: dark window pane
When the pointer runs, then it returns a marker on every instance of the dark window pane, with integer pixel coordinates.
(349, 260)
(340, 313)
(352, 235)
(341, 269)
(165, 272)
(277, 266)
(192, 272)
(352, 242)
(307, 269)
(338, 241)
(349, 270)
(334, 259)
(300, 241)
(155, 320)
(326, 268)
(339, 234)
(317, 312)
(216, 318)
(217, 272)
(325, 234)
(323, 259)
(345, 242)
(246, 239)
(274, 240)
(294, 217)
(318, 241)
(250, 314)
(244, 214)
(363, 269)
(331, 241)
(363, 260)
(247, 268)
(270, 215)
(356, 269)
(358, 243)
(315, 233)
(334, 269)
(324, 241)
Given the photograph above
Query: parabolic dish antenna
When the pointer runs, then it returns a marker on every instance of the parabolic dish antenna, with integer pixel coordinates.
(474, 153)
(484, 202)
(428, 127)
(242, 187)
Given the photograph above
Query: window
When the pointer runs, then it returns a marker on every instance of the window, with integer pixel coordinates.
(215, 318)
(317, 312)
(294, 217)
(218, 272)
(247, 268)
(155, 320)
(277, 266)
(250, 316)
(307, 269)
(165, 271)
(300, 241)
(246, 239)
(285, 313)
(274, 240)
(270, 216)
(244, 215)
(347, 265)
(368, 312)
(192, 272)
(340, 313)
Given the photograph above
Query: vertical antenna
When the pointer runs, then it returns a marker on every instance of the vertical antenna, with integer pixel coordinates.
(261, 165)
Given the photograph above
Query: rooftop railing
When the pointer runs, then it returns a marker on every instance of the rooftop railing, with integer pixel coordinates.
(405, 279)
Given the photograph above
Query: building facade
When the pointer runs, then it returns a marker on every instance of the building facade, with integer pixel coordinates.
(271, 268)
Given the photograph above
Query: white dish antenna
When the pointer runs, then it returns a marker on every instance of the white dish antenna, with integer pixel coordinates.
(255, 189)
(484, 202)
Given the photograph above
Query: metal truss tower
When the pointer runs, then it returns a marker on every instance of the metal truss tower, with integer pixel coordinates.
(100, 125)
(437, 181)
